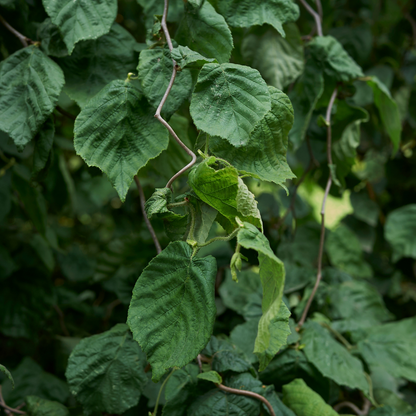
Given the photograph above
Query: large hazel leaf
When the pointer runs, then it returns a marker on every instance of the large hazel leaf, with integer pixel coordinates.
(223, 190)
(304, 401)
(172, 311)
(228, 100)
(331, 358)
(81, 19)
(36, 406)
(116, 131)
(400, 231)
(246, 13)
(106, 371)
(95, 63)
(272, 275)
(155, 71)
(279, 60)
(264, 156)
(392, 347)
(205, 31)
(30, 84)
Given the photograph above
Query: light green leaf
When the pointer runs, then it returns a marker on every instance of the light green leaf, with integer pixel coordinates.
(211, 376)
(81, 19)
(43, 146)
(304, 97)
(264, 156)
(4, 370)
(279, 60)
(304, 401)
(205, 31)
(222, 190)
(392, 347)
(35, 406)
(331, 358)
(400, 231)
(334, 59)
(388, 109)
(204, 218)
(95, 63)
(116, 131)
(187, 57)
(106, 371)
(228, 100)
(246, 13)
(30, 84)
(155, 71)
(389, 411)
(172, 310)
(272, 275)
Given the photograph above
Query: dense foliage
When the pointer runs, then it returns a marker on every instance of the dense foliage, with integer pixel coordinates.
(227, 293)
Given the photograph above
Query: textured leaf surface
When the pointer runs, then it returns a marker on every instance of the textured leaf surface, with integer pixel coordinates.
(156, 205)
(391, 346)
(116, 131)
(172, 310)
(36, 406)
(272, 275)
(81, 19)
(264, 155)
(246, 13)
(331, 358)
(228, 100)
(205, 31)
(155, 71)
(304, 401)
(95, 63)
(185, 56)
(105, 371)
(279, 60)
(30, 84)
(51, 39)
(400, 231)
(388, 109)
(211, 376)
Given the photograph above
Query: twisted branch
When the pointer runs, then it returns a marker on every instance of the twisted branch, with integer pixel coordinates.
(23, 39)
(315, 15)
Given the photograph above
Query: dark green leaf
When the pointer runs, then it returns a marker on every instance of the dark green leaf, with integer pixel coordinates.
(7, 265)
(4, 370)
(116, 131)
(105, 371)
(365, 209)
(156, 205)
(211, 376)
(187, 57)
(172, 311)
(51, 40)
(35, 406)
(30, 84)
(43, 146)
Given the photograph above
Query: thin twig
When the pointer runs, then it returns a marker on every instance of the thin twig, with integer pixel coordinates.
(23, 39)
(160, 391)
(328, 187)
(149, 225)
(249, 394)
(315, 16)
(337, 335)
(7, 409)
(319, 8)
(198, 360)
(64, 112)
(350, 405)
(164, 98)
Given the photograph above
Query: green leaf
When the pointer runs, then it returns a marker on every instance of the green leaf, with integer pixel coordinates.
(228, 100)
(205, 31)
(304, 97)
(4, 370)
(106, 371)
(30, 379)
(43, 250)
(204, 218)
(156, 205)
(400, 231)
(30, 84)
(331, 358)
(172, 310)
(36, 406)
(116, 131)
(264, 155)
(79, 20)
(391, 346)
(7, 265)
(279, 60)
(272, 275)
(389, 411)
(334, 60)
(43, 146)
(95, 63)
(75, 264)
(365, 209)
(223, 190)
(344, 251)
(51, 40)
(187, 57)
(244, 337)
(246, 13)
(388, 109)
(279, 408)
(155, 7)
(304, 401)
(155, 71)
(211, 376)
